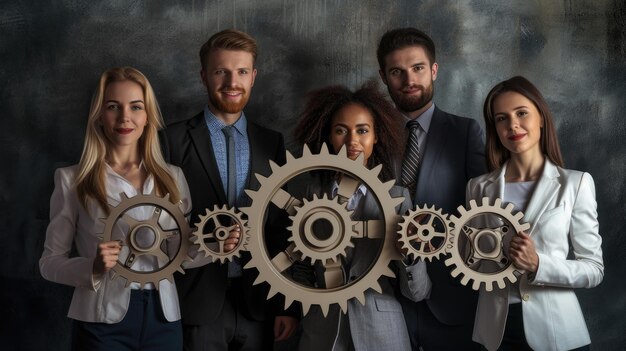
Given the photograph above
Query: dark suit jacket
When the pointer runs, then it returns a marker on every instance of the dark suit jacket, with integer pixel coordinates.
(454, 154)
(202, 290)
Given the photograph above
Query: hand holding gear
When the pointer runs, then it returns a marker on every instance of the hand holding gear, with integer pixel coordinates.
(148, 238)
(479, 254)
(214, 233)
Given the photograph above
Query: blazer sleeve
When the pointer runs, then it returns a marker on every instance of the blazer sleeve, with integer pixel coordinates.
(413, 279)
(55, 263)
(586, 270)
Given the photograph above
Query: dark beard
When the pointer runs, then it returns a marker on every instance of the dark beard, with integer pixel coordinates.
(226, 106)
(410, 104)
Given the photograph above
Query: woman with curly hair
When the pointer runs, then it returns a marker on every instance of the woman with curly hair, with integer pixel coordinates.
(365, 123)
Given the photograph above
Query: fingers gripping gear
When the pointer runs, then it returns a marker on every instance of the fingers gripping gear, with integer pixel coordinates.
(149, 238)
(317, 244)
(479, 254)
(424, 233)
(304, 244)
(214, 228)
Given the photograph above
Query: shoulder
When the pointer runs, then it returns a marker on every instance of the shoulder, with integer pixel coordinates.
(66, 174)
(574, 177)
(255, 128)
(456, 121)
(483, 178)
(185, 123)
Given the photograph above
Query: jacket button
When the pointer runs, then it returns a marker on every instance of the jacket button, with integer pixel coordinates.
(526, 297)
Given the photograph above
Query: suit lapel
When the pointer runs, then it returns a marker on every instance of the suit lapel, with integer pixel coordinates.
(547, 187)
(435, 141)
(495, 185)
(201, 139)
(258, 157)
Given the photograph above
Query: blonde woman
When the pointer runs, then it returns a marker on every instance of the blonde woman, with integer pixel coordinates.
(121, 155)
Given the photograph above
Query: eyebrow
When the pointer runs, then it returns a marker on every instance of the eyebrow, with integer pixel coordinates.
(419, 63)
(132, 102)
(358, 125)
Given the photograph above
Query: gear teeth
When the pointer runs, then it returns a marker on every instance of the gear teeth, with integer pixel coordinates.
(377, 169)
(344, 152)
(258, 279)
(389, 273)
(360, 159)
(305, 308)
(289, 156)
(376, 287)
(324, 308)
(473, 203)
(502, 284)
(361, 296)
(288, 302)
(465, 279)
(306, 150)
(343, 305)
(274, 166)
(476, 285)
(262, 179)
(324, 149)
(273, 292)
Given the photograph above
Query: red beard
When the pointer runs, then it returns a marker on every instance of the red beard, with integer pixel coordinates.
(229, 106)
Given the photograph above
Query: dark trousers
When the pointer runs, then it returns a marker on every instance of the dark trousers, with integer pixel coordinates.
(143, 328)
(427, 333)
(231, 330)
(514, 338)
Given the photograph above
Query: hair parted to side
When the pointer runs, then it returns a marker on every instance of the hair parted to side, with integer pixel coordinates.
(314, 126)
(497, 154)
(228, 39)
(401, 38)
(90, 182)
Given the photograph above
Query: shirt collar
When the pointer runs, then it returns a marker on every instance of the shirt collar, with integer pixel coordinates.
(424, 119)
(362, 189)
(215, 124)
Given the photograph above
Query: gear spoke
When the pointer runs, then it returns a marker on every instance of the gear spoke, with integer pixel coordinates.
(333, 274)
(285, 201)
(418, 225)
(130, 259)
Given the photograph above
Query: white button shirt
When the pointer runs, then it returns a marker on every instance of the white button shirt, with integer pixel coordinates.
(99, 298)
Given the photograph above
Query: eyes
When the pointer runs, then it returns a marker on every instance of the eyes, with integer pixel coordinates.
(117, 107)
(519, 114)
(396, 72)
(344, 131)
(241, 72)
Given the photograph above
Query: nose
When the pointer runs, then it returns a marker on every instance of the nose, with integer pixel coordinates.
(230, 80)
(124, 115)
(352, 138)
(513, 123)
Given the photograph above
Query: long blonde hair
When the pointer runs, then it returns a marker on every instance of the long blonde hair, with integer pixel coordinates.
(90, 179)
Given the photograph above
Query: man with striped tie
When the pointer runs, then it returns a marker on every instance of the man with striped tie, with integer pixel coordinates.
(443, 152)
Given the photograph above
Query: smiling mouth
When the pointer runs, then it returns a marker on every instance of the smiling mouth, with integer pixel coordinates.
(516, 137)
(124, 130)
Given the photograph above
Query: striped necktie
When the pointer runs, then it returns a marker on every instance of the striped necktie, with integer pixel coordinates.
(411, 163)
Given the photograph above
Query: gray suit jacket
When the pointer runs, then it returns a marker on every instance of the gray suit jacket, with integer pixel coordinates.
(379, 324)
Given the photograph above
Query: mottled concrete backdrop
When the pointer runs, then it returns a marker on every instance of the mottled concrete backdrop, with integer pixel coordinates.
(52, 52)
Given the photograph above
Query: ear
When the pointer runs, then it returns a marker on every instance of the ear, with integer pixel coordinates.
(253, 77)
(434, 69)
(382, 76)
(203, 77)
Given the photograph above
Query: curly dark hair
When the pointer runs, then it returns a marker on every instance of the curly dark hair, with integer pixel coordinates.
(313, 129)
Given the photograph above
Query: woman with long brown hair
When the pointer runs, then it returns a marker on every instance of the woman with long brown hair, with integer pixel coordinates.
(121, 155)
(540, 311)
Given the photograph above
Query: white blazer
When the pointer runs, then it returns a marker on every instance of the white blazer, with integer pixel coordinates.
(97, 298)
(562, 209)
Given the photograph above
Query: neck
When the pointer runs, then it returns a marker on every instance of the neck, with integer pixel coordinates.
(227, 118)
(524, 167)
(124, 155)
(415, 114)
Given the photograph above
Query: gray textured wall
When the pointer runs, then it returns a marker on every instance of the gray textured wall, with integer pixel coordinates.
(52, 52)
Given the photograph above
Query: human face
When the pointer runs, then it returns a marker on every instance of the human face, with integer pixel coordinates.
(518, 123)
(409, 77)
(353, 126)
(228, 76)
(124, 114)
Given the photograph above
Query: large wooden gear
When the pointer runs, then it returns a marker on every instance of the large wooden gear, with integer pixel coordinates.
(135, 244)
(272, 269)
